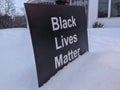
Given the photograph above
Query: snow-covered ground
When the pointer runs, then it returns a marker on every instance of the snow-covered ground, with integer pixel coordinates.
(17, 66)
(98, 69)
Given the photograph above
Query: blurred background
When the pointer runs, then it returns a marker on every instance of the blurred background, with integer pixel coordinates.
(12, 12)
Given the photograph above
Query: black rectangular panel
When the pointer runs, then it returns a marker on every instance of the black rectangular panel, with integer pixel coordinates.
(59, 36)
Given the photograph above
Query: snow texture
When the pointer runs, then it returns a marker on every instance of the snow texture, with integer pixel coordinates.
(17, 65)
(98, 69)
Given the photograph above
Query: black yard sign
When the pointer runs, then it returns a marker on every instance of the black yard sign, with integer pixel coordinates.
(59, 36)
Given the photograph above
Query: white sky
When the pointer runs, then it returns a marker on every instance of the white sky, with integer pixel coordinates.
(19, 4)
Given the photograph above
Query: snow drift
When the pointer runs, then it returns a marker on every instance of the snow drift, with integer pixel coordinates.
(98, 69)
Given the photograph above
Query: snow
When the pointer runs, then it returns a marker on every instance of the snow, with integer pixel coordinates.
(17, 66)
(104, 40)
(98, 69)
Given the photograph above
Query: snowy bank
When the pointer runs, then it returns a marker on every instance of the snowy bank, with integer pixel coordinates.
(17, 66)
(98, 69)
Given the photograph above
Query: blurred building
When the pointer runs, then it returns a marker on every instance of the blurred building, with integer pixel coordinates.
(106, 12)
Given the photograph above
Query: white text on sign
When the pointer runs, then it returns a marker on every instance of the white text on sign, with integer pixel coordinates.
(59, 23)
